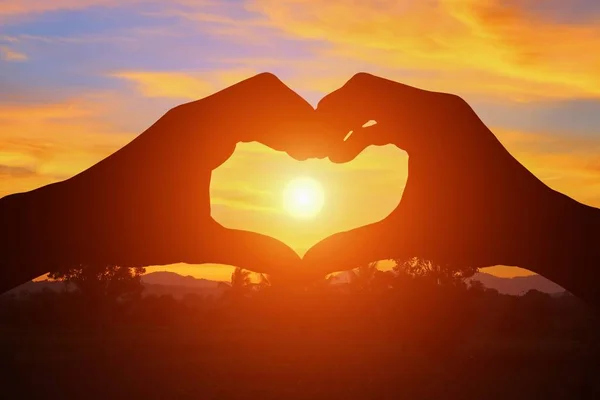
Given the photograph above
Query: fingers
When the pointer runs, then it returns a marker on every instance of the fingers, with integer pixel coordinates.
(301, 137)
(263, 109)
(347, 250)
(350, 106)
(363, 98)
(289, 123)
(406, 116)
(248, 250)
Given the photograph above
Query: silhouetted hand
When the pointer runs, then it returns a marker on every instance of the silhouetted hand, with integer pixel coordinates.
(467, 201)
(149, 203)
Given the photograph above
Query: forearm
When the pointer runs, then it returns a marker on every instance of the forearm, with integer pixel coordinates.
(33, 232)
(570, 252)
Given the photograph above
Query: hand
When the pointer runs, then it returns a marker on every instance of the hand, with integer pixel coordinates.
(467, 201)
(149, 203)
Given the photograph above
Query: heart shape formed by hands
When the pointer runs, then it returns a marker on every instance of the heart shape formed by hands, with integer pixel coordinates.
(467, 201)
(302, 202)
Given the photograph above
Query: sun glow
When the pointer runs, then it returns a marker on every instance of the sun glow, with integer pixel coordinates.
(303, 197)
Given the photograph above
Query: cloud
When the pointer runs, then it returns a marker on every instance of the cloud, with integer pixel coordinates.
(167, 84)
(39, 112)
(568, 164)
(11, 9)
(227, 22)
(17, 172)
(504, 47)
(183, 85)
(485, 47)
(41, 143)
(19, 8)
(241, 196)
(8, 54)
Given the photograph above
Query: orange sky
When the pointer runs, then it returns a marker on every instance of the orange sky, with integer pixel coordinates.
(80, 78)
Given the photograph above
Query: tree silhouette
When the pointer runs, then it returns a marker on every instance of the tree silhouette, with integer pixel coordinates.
(434, 273)
(476, 286)
(240, 282)
(383, 280)
(362, 277)
(98, 282)
(263, 282)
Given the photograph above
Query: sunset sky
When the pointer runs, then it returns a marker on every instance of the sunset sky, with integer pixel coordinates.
(81, 78)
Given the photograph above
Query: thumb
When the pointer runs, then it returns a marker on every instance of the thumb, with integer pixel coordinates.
(250, 250)
(351, 249)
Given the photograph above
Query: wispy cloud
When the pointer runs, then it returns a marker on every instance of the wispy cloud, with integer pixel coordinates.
(18, 8)
(167, 84)
(8, 54)
(506, 47)
(243, 197)
(183, 85)
(43, 143)
(12, 171)
(568, 164)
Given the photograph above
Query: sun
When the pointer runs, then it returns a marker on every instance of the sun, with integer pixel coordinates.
(303, 197)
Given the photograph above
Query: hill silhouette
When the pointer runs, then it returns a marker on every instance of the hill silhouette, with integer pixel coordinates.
(166, 282)
(175, 279)
(518, 285)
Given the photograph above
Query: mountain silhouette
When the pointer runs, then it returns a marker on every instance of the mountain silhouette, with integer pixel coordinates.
(174, 279)
(518, 285)
(172, 283)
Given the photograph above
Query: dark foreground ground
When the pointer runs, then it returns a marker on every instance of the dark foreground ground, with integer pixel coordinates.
(276, 351)
(163, 364)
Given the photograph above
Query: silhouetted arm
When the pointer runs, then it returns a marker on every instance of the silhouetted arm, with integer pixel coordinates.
(570, 251)
(33, 233)
(17, 237)
(149, 202)
(467, 200)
